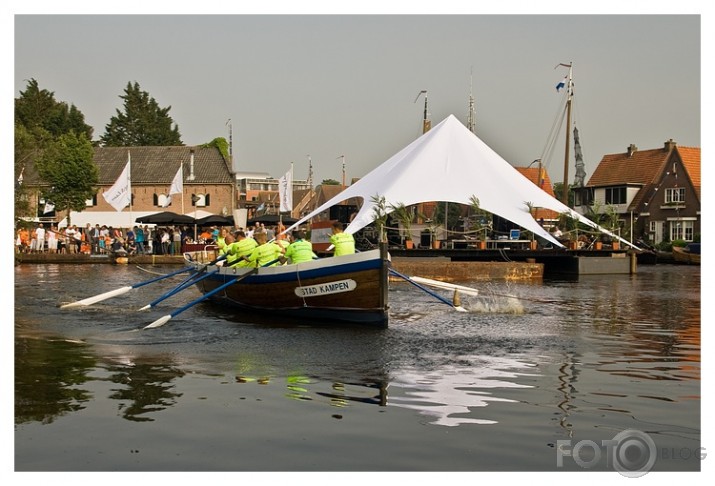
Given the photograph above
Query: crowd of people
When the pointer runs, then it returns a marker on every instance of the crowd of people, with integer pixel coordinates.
(255, 246)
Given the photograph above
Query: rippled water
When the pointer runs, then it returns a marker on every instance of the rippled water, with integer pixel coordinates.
(521, 380)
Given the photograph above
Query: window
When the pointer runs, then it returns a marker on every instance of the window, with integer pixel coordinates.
(681, 230)
(675, 195)
(583, 196)
(200, 200)
(615, 195)
(162, 200)
(91, 202)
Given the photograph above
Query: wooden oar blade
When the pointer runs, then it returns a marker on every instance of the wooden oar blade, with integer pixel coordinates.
(97, 298)
(446, 286)
(159, 322)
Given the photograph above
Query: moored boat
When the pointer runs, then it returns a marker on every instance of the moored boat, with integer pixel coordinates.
(345, 289)
(689, 254)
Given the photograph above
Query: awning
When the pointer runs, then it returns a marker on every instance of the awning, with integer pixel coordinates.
(124, 219)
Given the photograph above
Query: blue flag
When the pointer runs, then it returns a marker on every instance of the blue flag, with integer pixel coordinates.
(561, 84)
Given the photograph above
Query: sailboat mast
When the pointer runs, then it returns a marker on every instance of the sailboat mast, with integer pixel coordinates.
(471, 117)
(426, 124)
(569, 99)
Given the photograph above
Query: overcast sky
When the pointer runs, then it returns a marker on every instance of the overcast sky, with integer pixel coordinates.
(323, 86)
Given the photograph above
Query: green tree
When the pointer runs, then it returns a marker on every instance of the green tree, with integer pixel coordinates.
(24, 150)
(67, 167)
(143, 122)
(330, 182)
(455, 212)
(558, 190)
(37, 110)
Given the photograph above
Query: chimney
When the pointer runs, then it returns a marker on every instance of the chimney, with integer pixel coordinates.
(191, 167)
(669, 145)
(632, 149)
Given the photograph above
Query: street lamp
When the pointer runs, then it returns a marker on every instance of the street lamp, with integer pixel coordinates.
(539, 180)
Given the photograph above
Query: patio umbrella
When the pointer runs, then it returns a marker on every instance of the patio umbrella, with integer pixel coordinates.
(272, 219)
(166, 217)
(215, 219)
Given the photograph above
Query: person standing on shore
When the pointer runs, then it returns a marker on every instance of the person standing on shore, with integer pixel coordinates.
(52, 240)
(176, 241)
(40, 238)
(139, 237)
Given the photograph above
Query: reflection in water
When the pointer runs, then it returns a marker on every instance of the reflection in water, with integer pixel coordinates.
(451, 391)
(340, 394)
(568, 372)
(48, 373)
(146, 387)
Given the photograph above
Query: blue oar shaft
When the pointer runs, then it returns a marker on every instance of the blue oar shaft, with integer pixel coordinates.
(436, 296)
(204, 297)
(163, 320)
(191, 280)
(156, 279)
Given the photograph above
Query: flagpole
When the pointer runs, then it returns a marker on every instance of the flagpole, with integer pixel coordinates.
(181, 167)
(129, 176)
(291, 192)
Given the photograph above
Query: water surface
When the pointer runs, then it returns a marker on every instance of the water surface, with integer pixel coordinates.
(494, 389)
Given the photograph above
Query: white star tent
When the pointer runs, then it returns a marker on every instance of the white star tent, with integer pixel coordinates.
(450, 163)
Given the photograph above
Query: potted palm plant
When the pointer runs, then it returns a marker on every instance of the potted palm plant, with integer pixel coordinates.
(570, 225)
(379, 212)
(404, 216)
(478, 224)
(532, 211)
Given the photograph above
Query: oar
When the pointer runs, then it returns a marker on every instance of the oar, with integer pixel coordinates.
(437, 296)
(124, 290)
(163, 320)
(191, 280)
(446, 286)
(120, 291)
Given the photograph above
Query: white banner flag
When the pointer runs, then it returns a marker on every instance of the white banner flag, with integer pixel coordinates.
(119, 195)
(285, 191)
(177, 185)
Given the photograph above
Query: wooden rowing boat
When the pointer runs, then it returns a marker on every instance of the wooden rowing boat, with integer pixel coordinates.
(344, 289)
(686, 255)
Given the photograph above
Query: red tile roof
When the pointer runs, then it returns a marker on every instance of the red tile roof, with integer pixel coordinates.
(644, 167)
(532, 173)
(691, 160)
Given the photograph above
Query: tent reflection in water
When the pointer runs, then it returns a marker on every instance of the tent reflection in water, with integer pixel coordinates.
(450, 163)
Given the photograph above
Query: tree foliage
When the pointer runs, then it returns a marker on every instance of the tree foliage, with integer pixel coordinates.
(143, 122)
(40, 120)
(330, 182)
(68, 167)
(37, 110)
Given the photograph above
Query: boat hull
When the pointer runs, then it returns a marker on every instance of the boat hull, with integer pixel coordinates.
(682, 255)
(346, 289)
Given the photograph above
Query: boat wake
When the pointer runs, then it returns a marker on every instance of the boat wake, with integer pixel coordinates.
(495, 304)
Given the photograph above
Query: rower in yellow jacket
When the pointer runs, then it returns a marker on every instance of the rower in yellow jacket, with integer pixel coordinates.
(242, 247)
(267, 252)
